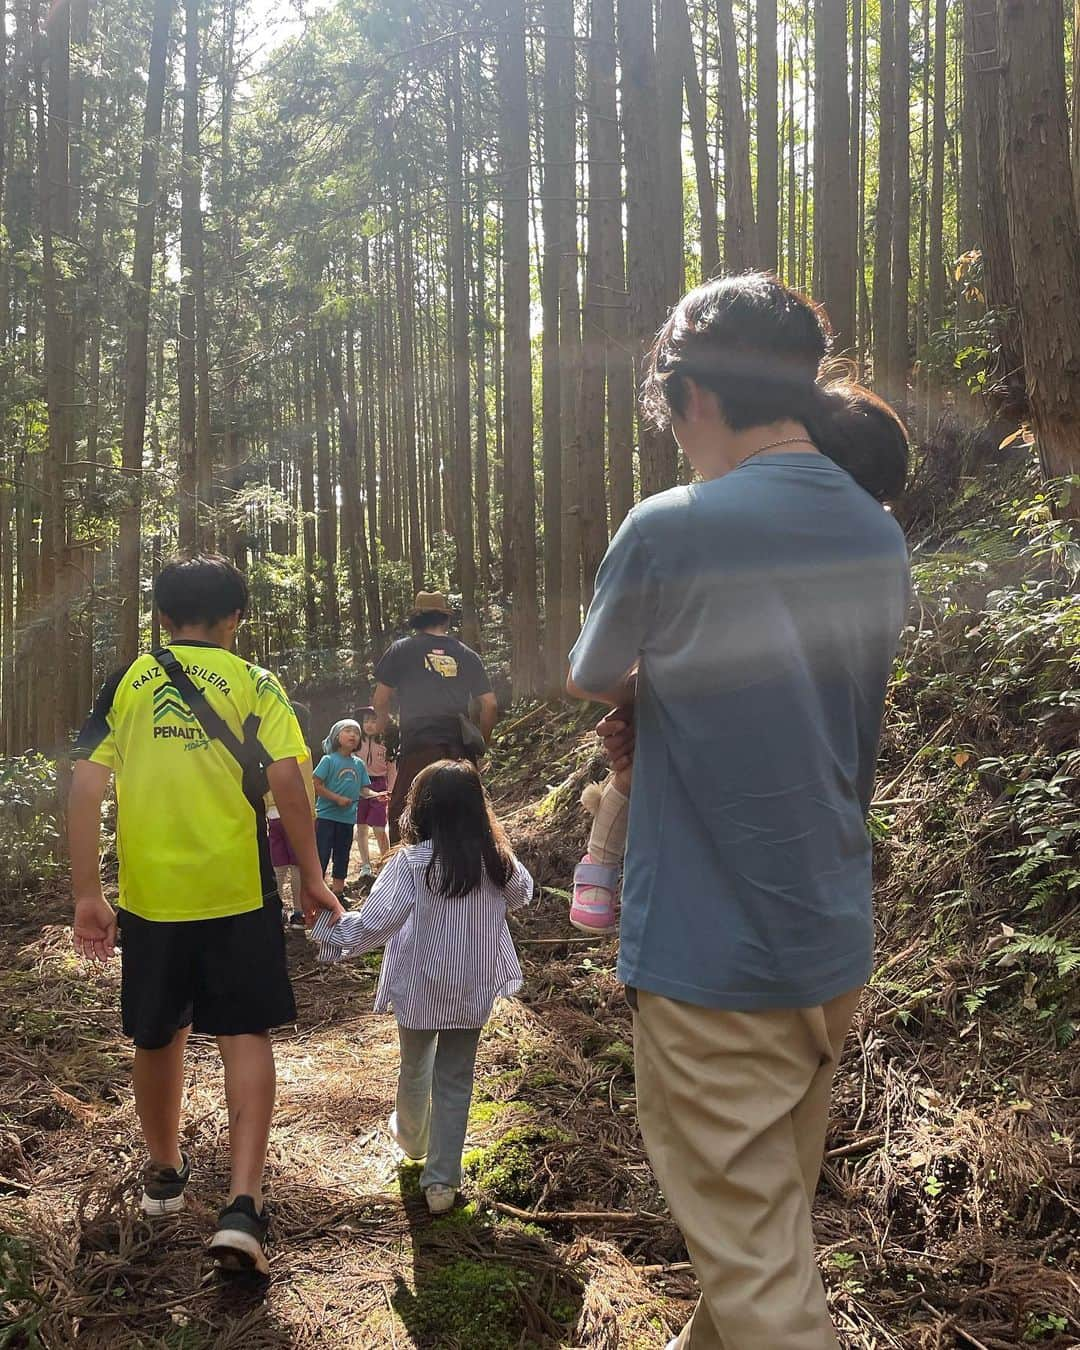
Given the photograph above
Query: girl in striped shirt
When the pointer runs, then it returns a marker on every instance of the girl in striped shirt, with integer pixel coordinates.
(440, 907)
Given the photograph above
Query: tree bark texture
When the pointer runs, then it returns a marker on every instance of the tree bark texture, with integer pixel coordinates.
(138, 320)
(521, 507)
(1043, 224)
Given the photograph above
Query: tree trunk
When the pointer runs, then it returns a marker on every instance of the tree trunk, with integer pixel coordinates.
(593, 336)
(306, 470)
(982, 78)
(138, 319)
(791, 274)
(557, 176)
(899, 356)
(521, 508)
(326, 526)
(740, 232)
(648, 303)
(483, 472)
(354, 542)
(459, 307)
(190, 209)
(1076, 103)
(697, 115)
(935, 302)
(768, 141)
(672, 59)
(403, 270)
(605, 201)
(832, 172)
(569, 346)
(883, 213)
(1043, 225)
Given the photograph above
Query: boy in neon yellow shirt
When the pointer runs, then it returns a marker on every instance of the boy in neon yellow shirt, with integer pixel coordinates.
(199, 915)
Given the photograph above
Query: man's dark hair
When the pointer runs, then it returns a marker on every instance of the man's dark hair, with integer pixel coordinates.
(751, 340)
(428, 618)
(202, 588)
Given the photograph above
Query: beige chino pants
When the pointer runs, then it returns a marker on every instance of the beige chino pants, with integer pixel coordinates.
(733, 1109)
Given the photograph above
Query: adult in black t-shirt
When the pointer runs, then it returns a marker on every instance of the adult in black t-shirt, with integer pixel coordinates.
(435, 678)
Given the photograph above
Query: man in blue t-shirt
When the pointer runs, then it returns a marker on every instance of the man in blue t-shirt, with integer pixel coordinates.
(760, 609)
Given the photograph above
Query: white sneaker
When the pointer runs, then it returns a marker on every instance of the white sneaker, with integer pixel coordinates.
(367, 870)
(440, 1199)
(392, 1130)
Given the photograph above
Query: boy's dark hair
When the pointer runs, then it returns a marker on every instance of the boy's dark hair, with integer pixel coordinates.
(448, 805)
(200, 589)
(758, 346)
(751, 340)
(428, 618)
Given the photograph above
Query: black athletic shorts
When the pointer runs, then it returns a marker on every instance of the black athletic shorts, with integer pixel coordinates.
(221, 977)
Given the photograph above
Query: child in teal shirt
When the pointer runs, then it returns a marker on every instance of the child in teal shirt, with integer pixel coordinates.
(341, 779)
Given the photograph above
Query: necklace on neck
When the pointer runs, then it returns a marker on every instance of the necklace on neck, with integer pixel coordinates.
(774, 445)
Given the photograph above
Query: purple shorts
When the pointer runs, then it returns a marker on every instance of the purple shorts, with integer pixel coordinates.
(281, 854)
(372, 813)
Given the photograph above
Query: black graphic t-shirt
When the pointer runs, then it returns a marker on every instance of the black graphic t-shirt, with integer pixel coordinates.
(435, 677)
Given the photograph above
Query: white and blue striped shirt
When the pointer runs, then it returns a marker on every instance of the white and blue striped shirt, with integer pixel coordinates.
(448, 958)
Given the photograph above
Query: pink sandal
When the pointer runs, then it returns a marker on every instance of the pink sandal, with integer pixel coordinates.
(593, 909)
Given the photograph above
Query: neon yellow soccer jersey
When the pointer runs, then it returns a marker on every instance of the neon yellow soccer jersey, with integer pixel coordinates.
(189, 842)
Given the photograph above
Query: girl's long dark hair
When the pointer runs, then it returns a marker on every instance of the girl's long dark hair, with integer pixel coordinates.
(448, 805)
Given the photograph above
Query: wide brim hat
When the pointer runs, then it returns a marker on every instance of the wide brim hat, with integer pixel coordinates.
(431, 602)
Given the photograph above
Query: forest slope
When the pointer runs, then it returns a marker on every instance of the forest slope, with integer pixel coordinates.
(948, 1211)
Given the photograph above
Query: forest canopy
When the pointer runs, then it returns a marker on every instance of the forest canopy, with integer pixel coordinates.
(360, 299)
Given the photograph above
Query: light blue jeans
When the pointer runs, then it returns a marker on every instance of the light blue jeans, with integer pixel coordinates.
(435, 1086)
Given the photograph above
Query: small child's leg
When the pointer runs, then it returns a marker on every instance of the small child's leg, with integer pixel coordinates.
(411, 1121)
(343, 837)
(362, 843)
(451, 1094)
(596, 876)
(383, 841)
(607, 839)
(296, 894)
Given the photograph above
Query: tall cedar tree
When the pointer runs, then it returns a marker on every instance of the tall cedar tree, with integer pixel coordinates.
(521, 507)
(1043, 224)
(644, 219)
(138, 320)
(833, 180)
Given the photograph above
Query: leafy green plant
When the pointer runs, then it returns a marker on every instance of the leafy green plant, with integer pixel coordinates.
(28, 821)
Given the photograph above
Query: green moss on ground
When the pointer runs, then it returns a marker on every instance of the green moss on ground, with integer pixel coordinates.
(464, 1302)
(507, 1169)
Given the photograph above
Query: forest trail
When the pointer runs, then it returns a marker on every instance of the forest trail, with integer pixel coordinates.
(946, 1214)
(356, 1259)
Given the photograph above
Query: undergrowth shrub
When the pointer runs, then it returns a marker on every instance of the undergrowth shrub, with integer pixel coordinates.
(28, 821)
(987, 695)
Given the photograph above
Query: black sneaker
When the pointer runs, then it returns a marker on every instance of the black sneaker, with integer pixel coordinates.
(163, 1188)
(237, 1246)
(296, 920)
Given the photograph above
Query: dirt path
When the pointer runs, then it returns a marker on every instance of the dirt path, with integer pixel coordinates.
(948, 1214)
(356, 1259)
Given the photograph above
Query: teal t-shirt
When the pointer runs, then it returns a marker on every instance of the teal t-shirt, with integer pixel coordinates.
(347, 776)
(763, 609)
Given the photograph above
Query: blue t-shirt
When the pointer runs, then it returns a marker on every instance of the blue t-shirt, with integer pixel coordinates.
(347, 776)
(763, 609)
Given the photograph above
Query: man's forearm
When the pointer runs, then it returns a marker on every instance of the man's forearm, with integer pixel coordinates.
(88, 785)
(294, 808)
(488, 717)
(381, 703)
